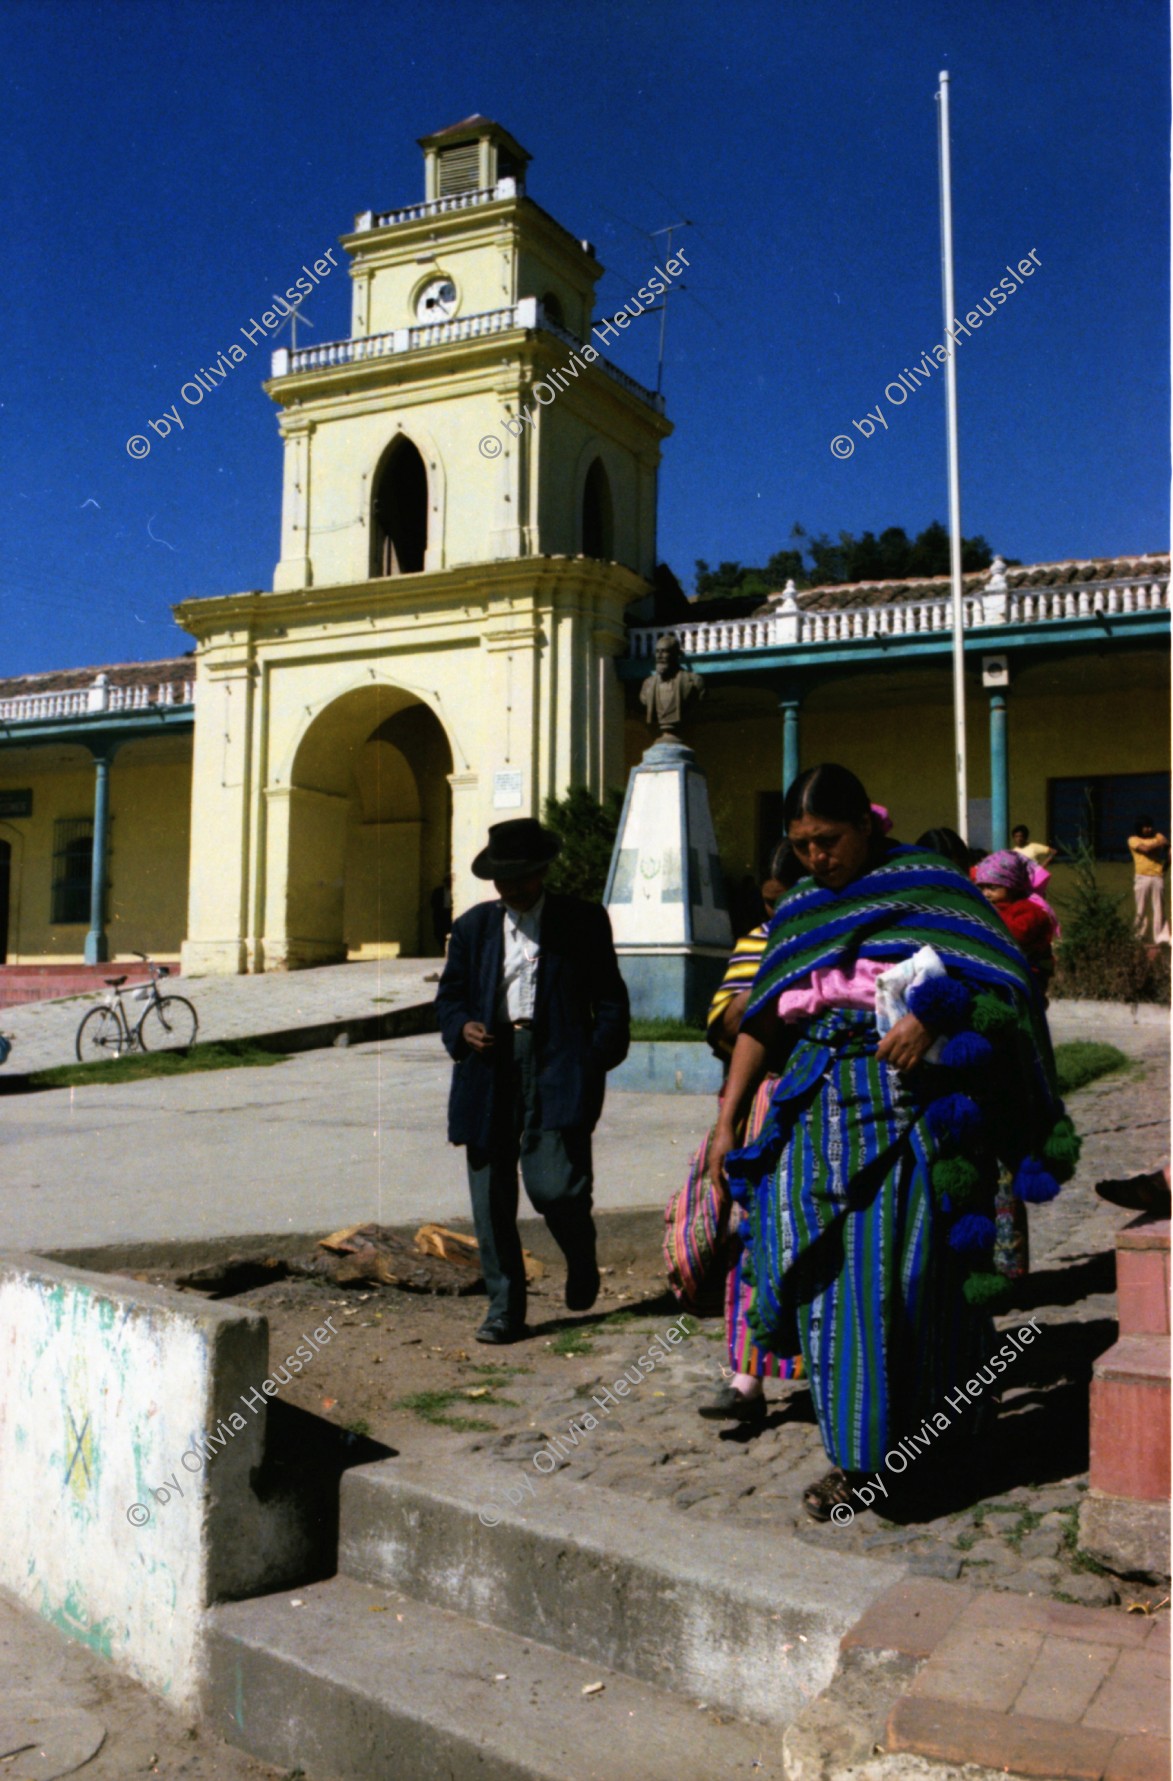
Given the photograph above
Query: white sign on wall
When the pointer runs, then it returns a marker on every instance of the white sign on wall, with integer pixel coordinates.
(507, 790)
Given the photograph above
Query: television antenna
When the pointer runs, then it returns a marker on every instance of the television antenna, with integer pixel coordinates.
(667, 230)
(292, 320)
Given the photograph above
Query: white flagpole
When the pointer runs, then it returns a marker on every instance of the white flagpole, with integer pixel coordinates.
(954, 472)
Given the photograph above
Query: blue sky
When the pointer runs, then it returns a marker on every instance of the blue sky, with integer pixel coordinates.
(168, 166)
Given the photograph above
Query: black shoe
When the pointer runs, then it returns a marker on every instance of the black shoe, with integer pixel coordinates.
(734, 1406)
(582, 1284)
(498, 1333)
(1138, 1193)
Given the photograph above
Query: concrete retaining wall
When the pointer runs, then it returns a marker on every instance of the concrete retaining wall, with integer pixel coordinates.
(667, 1067)
(128, 1464)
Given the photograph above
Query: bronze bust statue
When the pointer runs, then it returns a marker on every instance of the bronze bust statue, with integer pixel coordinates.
(666, 694)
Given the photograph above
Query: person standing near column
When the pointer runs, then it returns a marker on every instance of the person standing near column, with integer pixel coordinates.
(1149, 852)
(533, 1012)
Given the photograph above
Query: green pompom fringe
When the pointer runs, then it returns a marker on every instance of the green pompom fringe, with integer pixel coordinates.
(957, 1177)
(1061, 1151)
(985, 1289)
(991, 1015)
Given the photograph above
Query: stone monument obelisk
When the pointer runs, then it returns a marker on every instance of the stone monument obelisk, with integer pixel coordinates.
(665, 891)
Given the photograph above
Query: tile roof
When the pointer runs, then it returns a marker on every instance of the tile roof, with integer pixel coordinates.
(1072, 572)
(173, 672)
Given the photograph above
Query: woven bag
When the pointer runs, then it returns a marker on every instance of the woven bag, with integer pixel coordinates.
(696, 1239)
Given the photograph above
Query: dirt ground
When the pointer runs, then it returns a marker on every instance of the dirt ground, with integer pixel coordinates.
(401, 1352)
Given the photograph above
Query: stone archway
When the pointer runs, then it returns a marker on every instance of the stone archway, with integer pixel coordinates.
(365, 829)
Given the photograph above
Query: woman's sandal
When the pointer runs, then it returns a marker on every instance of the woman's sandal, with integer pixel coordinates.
(821, 1499)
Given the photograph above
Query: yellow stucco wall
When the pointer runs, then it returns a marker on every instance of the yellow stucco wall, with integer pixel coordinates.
(1080, 715)
(150, 801)
(452, 404)
(505, 669)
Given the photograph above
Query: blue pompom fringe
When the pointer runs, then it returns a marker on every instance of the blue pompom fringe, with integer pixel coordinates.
(1033, 1183)
(942, 1004)
(972, 1235)
(956, 1117)
(966, 1051)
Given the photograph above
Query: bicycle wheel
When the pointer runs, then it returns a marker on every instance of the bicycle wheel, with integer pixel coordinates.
(100, 1035)
(170, 1024)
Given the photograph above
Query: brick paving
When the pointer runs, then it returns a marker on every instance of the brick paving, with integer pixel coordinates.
(1032, 1687)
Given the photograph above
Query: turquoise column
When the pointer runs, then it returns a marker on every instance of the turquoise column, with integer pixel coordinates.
(790, 749)
(999, 774)
(96, 949)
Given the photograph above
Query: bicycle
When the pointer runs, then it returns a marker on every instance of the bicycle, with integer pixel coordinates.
(167, 1023)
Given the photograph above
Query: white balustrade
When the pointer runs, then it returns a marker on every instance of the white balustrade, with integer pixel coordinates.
(788, 624)
(81, 701)
(412, 213)
(527, 313)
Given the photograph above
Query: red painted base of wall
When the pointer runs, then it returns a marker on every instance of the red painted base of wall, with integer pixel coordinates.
(41, 983)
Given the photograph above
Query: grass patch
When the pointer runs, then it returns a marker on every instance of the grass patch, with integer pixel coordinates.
(1081, 1061)
(662, 1030)
(359, 1427)
(434, 1407)
(497, 1370)
(571, 1342)
(1072, 1551)
(1027, 1522)
(220, 1054)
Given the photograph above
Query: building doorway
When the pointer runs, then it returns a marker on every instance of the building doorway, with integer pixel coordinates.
(370, 825)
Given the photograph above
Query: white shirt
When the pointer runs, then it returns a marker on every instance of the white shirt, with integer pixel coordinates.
(519, 963)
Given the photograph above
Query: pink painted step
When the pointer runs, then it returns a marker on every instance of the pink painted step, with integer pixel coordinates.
(1130, 1393)
(1142, 1277)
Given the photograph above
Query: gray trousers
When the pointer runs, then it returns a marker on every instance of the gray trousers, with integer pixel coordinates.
(556, 1169)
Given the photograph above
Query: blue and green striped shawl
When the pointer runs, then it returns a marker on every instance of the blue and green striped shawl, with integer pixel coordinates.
(912, 899)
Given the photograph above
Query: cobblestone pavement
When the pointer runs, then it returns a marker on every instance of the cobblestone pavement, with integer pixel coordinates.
(1012, 1527)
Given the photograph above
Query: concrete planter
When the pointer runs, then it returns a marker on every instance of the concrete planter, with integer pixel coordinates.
(673, 1067)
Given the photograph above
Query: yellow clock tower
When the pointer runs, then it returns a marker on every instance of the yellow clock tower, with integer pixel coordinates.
(469, 506)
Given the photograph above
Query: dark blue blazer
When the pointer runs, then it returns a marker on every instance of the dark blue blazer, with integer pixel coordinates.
(581, 1015)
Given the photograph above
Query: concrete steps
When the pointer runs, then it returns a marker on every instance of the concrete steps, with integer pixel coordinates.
(360, 1683)
(555, 1588)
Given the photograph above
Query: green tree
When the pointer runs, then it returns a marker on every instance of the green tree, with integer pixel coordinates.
(587, 831)
(1099, 957)
(824, 562)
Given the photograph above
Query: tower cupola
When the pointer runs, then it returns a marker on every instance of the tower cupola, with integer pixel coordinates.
(475, 155)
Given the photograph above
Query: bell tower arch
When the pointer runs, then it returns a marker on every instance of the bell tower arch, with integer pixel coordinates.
(469, 509)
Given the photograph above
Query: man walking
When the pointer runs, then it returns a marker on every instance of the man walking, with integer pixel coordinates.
(1149, 850)
(533, 1012)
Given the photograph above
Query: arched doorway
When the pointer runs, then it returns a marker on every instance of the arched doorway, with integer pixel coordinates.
(400, 518)
(598, 532)
(369, 829)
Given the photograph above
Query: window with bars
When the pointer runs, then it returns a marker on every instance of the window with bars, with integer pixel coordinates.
(1101, 811)
(73, 853)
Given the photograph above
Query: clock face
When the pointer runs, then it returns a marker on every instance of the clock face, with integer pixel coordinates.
(437, 301)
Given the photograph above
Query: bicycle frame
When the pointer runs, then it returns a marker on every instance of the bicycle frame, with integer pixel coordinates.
(118, 994)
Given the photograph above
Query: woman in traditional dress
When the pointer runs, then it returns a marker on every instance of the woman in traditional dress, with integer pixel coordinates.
(868, 1194)
(741, 1398)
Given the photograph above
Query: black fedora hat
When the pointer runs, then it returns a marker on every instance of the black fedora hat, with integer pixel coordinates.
(515, 849)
